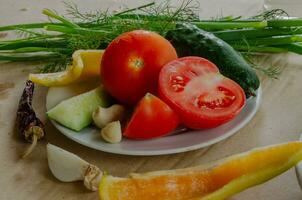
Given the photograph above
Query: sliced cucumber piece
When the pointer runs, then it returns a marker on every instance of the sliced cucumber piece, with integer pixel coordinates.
(75, 113)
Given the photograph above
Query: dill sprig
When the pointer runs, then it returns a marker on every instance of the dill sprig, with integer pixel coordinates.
(270, 71)
(271, 15)
(26, 33)
(93, 17)
(76, 42)
(55, 41)
(105, 26)
(55, 66)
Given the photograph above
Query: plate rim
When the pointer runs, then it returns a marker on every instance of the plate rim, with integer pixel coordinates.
(168, 151)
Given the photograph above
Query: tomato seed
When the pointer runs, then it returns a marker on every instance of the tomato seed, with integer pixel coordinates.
(221, 99)
(177, 83)
(177, 87)
(179, 78)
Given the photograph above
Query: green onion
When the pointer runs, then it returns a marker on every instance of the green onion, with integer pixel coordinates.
(217, 25)
(68, 30)
(256, 33)
(277, 23)
(295, 48)
(34, 43)
(36, 49)
(18, 57)
(62, 29)
(52, 14)
(246, 48)
(25, 26)
(56, 41)
(269, 41)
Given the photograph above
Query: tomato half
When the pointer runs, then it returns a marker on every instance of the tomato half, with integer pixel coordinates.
(132, 62)
(202, 97)
(151, 118)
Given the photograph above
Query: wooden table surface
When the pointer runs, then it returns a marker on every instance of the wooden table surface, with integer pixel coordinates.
(278, 120)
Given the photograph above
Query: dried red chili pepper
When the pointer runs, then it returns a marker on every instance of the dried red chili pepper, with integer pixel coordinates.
(30, 127)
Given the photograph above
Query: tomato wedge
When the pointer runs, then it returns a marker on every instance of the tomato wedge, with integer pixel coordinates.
(202, 97)
(151, 118)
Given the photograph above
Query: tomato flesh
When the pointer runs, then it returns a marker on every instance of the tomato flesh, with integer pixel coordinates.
(151, 118)
(131, 64)
(195, 89)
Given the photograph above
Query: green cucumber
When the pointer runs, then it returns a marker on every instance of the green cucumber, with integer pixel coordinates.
(76, 112)
(189, 40)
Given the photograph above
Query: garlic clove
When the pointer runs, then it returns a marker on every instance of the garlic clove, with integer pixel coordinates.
(103, 116)
(68, 167)
(92, 179)
(65, 166)
(112, 132)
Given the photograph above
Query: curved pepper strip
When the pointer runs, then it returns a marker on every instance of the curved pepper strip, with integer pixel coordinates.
(85, 65)
(212, 182)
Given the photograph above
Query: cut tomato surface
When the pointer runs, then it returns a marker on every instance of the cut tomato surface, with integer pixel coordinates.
(152, 118)
(196, 90)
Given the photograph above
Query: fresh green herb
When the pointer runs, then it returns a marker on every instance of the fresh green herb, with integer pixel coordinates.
(270, 71)
(270, 41)
(257, 49)
(55, 66)
(29, 57)
(55, 41)
(271, 15)
(230, 35)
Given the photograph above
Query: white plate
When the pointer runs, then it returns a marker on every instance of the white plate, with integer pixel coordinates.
(176, 143)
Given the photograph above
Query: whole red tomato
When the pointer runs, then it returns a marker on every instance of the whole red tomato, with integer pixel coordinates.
(132, 62)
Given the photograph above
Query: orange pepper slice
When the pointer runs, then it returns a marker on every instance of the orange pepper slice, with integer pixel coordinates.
(212, 182)
(85, 65)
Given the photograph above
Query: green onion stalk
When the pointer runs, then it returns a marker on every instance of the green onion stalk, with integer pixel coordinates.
(55, 41)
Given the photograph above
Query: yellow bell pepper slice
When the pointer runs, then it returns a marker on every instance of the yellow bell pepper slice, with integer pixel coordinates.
(216, 181)
(85, 65)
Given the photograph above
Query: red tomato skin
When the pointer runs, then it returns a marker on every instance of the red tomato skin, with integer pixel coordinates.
(152, 118)
(131, 64)
(195, 120)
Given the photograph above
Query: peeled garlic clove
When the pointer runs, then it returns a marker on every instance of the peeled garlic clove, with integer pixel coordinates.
(65, 166)
(112, 132)
(103, 116)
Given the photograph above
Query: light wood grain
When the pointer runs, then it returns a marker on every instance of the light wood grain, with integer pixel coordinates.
(279, 119)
